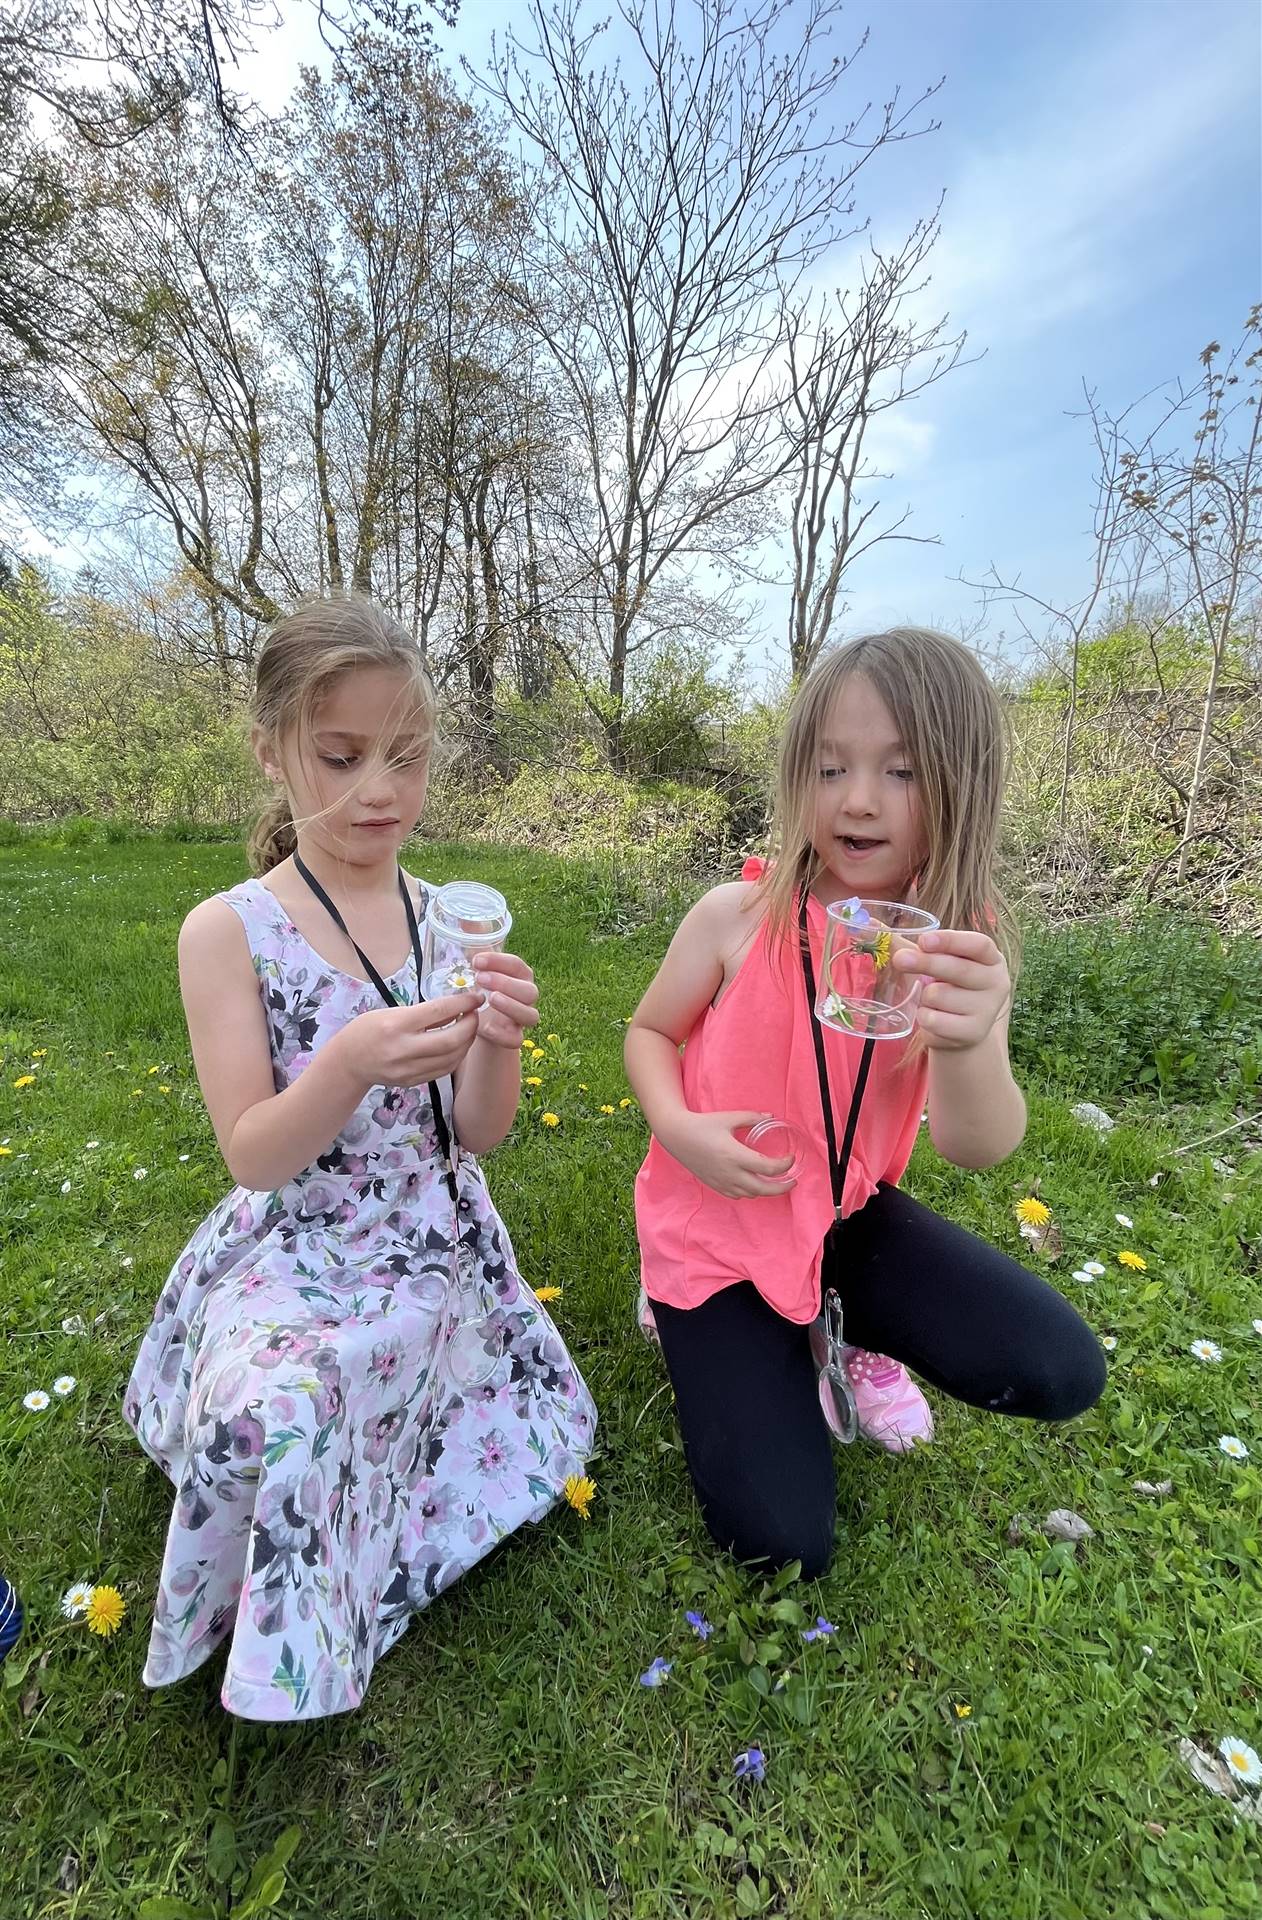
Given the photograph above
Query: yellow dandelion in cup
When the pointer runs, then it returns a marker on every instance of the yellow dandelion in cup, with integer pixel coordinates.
(104, 1611)
(1032, 1213)
(551, 1119)
(547, 1294)
(580, 1492)
(1135, 1261)
(881, 951)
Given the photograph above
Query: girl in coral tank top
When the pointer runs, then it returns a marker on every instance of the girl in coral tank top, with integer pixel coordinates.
(890, 787)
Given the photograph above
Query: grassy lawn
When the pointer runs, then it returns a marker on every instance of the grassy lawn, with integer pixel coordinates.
(993, 1729)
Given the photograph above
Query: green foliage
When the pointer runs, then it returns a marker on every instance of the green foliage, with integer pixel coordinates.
(1166, 1005)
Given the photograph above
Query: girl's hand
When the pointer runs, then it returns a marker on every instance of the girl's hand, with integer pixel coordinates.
(966, 990)
(406, 1046)
(512, 998)
(704, 1143)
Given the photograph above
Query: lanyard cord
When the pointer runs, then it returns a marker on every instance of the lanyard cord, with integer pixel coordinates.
(440, 1118)
(837, 1163)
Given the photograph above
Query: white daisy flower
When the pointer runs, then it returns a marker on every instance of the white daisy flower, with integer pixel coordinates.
(1257, 1326)
(75, 1600)
(1147, 1652)
(1206, 1350)
(74, 1324)
(64, 1383)
(1109, 1342)
(36, 1401)
(1088, 1279)
(65, 1186)
(1124, 1220)
(1234, 1449)
(141, 1173)
(1092, 1267)
(1243, 1763)
(127, 1260)
(89, 1144)
(183, 1157)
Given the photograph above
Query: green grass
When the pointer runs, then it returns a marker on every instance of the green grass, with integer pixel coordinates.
(506, 1763)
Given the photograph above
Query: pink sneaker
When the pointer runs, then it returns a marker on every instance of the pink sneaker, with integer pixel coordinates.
(892, 1410)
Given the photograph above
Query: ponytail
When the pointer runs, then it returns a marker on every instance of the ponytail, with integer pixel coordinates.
(272, 837)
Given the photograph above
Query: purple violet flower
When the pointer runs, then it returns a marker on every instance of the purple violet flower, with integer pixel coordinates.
(657, 1672)
(822, 1630)
(700, 1625)
(854, 913)
(750, 1765)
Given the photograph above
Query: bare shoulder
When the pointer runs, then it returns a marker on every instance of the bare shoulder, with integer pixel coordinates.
(730, 915)
(212, 931)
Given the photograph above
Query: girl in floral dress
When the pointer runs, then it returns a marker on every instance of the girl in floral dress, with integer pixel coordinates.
(346, 1379)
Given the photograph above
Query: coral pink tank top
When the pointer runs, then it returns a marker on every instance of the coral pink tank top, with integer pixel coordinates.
(755, 1052)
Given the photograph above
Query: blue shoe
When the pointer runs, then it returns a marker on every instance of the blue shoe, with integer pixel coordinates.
(10, 1617)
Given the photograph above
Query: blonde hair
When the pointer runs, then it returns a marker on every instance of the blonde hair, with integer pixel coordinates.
(304, 656)
(955, 735)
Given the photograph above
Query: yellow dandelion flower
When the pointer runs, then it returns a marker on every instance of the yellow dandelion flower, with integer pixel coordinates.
(881, 951)
(536, 1053)
(1135, 1261)
(108, 1054)
(606, 1109)
(554, 1039)
(551, 1119)
(624, 1104)
(533, 1080)
(25, 1080)
(583, 1087)
(164, 1089)
(580, 1492)
(39, 1053)
(155, 1069)
(1032, 1213)
(547, 1293)
(5, 1152)
(962, 1710)
(105, 1611)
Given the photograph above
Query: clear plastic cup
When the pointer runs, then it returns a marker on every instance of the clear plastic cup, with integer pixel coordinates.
(859, 993)
(779, 1140)
(464, 918)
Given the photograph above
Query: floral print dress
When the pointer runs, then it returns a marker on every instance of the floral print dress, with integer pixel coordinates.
(306, 1383)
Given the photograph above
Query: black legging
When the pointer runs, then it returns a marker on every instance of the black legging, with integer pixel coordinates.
(961, 1314)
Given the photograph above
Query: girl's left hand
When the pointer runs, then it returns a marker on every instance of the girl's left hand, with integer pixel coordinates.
(967, 987)
(511, 998)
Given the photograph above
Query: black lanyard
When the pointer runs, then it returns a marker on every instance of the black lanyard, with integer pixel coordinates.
(837, 1163)
(440, 1119)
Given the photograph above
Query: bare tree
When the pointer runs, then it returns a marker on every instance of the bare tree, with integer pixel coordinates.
(845, 372)
(681, 216)
(1203, 506)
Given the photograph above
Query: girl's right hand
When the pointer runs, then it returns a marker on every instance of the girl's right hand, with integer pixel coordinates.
(705, 1144)
(406, 1046)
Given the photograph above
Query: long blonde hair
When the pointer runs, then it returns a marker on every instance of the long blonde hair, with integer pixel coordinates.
(305, 654)
(955, 734)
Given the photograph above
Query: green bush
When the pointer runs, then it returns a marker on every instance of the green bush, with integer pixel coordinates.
(1164, 1005)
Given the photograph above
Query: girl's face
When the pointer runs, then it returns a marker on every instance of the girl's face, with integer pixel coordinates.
(357, 783)
(866, 821)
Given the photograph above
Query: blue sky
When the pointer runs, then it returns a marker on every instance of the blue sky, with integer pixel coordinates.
(1103, 220)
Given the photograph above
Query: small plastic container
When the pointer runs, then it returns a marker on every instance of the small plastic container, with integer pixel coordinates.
(778, 1140)
(464, 918)
(859, 992)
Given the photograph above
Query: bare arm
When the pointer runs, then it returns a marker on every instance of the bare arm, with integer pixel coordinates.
(976, 1110)
(685, 984)
(266, 1137)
